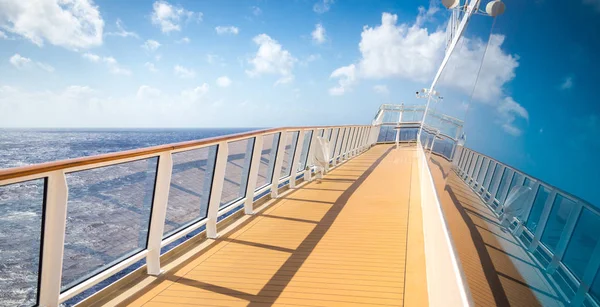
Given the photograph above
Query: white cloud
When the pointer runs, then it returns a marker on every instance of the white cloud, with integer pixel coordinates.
(196, 94)
(150, 45)
(412, 52)
(223, 81)
(91, 57)
(381, 89)
(256, 11)
(111, 63)
(3, 35)
(147, 93)
(72, 24)
(121, 31)
(221, 30)
(271, 58)
(214, 59)
(322, 6)
(310, 58)
(183, 72)
(567, 83)
(509, 111)
(318, 35)
(169, 17)
(21, 62)
(151, 67)
(45, 67)
(426, 15)
(185, 40)
(346, 79)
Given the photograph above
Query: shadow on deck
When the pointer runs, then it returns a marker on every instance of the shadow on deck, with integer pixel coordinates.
(498, 268)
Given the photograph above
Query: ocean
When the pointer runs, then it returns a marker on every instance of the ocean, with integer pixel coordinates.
(105, 221)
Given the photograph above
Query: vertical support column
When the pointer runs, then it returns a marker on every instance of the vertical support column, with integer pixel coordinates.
(159, 212)
(297, 153)
(542, 223)
(55, 220)
(278, 163)
(565, 236)
(217, 189)
(310, 157)
(253, 175)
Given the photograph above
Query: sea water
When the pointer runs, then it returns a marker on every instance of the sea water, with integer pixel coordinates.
(21, 204)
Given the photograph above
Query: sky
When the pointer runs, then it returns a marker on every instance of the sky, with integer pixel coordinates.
(107, 63)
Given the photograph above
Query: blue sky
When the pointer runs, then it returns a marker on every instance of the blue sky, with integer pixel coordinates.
(305, 62)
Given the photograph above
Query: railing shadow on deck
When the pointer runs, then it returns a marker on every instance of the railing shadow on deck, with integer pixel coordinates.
(272, 290)
(461, 197)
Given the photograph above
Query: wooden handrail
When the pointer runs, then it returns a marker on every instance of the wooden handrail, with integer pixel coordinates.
(29, 170)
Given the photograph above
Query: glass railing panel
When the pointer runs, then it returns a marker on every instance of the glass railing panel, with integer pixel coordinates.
(288, 155)
(335, 135)
(489, 175)
(386, 134)
(528, 182)
(305, 149)
(482, 167)
(582, 243)
(391, 117)
(237, 170)
(515, 180)
(190, 188)
(267, 159)
(537, 208)
(341, 141)
(503, 183)
(21, 207)
(108, 215)
(408, 134)
(561, 208)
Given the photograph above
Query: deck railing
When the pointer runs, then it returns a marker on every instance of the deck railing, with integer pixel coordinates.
(561, 230)
(87, 219)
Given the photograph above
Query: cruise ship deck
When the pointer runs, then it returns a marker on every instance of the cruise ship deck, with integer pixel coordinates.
(353, 238)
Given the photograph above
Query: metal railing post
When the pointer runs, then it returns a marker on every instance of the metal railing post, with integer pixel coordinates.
(565, 236)
(535, 241)
(253, 175)
(55, 221)
(296, 158)
(278, 163)
(216, 190)
(159, 212)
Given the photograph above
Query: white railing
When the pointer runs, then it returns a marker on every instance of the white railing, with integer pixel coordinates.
(561, 230)
(348, 142)
(445, 278)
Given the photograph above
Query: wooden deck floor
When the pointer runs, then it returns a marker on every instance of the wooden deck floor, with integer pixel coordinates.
(353, 238)
(498, 269)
